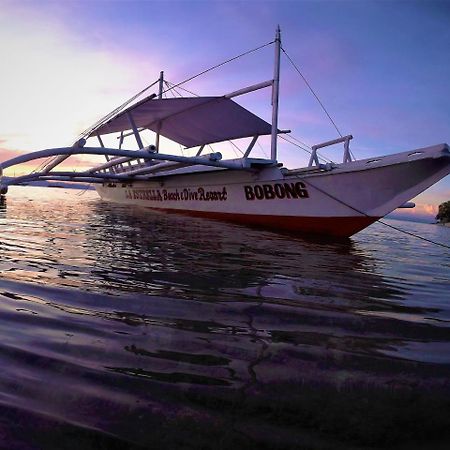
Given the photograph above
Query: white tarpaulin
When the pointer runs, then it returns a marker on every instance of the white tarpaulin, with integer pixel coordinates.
(190, 121)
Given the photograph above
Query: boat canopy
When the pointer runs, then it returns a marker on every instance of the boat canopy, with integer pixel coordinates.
(189, 121)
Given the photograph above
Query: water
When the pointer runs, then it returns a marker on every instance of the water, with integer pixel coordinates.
(122, 328)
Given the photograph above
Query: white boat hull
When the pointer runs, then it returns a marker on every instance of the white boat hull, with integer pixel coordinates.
(339, 202)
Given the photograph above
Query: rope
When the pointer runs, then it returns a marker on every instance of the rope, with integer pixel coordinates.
(114, 111)
(299, 141)
(312, 91)
(174, 94)
(440, 244)
(414, 235)
(262, 149)
(316, 96)
(335, 198)
(175, 91)
(222, 64)
(80, 193)
(183, 89)
(332, 196)
(323, 158)
(296, 145)
(42, 165)
(234, 145)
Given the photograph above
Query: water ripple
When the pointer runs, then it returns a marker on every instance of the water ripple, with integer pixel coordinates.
(115, 320)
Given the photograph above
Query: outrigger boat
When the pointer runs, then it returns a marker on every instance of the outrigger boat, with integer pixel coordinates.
(335, 199)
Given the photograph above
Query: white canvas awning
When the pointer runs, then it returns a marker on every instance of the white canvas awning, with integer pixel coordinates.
(190, 121)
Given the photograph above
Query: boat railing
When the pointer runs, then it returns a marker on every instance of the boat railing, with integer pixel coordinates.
(314, 160)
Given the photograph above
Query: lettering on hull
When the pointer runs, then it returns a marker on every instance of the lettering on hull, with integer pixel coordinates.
(176, 195)
(277, 190)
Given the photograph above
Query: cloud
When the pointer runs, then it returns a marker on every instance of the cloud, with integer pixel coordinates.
(6, 153)
(426, 211)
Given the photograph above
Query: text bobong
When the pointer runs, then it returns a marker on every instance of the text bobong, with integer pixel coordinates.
(277, 190)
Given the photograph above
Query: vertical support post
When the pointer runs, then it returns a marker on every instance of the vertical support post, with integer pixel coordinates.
(99, 138)
(161, 84)
(314, 158)
(135, 131)
(347, 156)
(200, 150)
(136, 135)
(250, 147)
(100, 141)
(161, 88)
(275, 94)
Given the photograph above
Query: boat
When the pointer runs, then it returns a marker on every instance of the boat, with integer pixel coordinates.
(326, 198)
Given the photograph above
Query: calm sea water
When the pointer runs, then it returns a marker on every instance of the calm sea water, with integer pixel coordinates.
(122, 328)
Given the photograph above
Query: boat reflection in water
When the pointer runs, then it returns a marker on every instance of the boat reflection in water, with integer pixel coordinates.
(131, 329)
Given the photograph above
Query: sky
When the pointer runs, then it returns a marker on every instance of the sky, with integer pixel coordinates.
(381, 68)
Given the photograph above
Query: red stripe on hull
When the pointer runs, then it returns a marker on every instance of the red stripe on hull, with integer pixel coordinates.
(331, 226)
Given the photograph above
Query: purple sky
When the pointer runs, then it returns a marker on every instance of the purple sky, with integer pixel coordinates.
(381, 67)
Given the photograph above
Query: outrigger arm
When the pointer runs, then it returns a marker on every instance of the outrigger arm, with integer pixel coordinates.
(147, 154)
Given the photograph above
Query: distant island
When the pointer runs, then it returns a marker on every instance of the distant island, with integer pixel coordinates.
(443, 215)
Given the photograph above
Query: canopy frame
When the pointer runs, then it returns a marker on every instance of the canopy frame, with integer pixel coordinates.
(148, 162)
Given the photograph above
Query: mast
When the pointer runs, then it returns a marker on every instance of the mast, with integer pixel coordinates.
(275, 93)
(161, 88)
